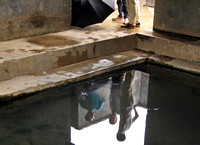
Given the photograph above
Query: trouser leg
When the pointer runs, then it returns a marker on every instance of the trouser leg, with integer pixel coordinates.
(137, 12)
(125, 9)
(132, 11)
(120, 8)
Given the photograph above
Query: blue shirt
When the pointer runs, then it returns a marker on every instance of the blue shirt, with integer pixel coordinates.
(92, 101)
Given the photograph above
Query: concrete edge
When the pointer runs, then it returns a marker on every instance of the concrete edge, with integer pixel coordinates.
(187, 51)
(54, 59)
(76, 72)
(44, 61)
(71, 73)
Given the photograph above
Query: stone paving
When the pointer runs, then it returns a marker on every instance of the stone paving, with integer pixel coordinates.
(36, 63)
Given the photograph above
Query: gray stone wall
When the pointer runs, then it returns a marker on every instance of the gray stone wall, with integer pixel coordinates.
(178, 16)
(23, 18)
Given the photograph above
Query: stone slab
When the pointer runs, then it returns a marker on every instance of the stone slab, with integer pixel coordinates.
(180, 17)
(24, 18)
(70, 73)
(184, 49)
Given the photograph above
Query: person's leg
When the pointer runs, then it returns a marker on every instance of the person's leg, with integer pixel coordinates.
(132, 11)
(137, 13)
(120, 17)
(125, 9)
(113, 118)
(136, 114)
(120, 8)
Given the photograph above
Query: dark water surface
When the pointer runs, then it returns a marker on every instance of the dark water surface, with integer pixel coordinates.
(167, 103)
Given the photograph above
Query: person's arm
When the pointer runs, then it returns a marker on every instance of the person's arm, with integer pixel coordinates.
(136, 115)
(101, 103)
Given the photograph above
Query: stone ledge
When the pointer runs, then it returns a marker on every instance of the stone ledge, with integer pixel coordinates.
(86, 69)
(181, 48)
(33, 55)
(29, 58)
(70, 73)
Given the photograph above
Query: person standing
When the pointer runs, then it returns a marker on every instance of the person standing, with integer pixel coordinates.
(123, 12)
(134, 14)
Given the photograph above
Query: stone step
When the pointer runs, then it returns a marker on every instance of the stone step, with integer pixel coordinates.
(37, 54)
(69, 73)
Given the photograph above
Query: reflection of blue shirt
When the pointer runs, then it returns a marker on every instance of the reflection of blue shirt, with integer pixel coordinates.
(92, 101)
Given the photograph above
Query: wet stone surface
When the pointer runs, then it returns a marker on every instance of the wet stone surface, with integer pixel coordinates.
(52, 40)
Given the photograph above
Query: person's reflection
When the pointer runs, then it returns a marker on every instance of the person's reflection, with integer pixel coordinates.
(126, 106)
(116, 94)
(92, 97)
(125, 96)
(91, 102)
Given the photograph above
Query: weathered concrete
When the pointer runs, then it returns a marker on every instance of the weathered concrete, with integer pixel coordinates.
(180, 16)
(24, 18)
(32, 64)
(39, 63)
(180, 49)
(42, 58)
(67, 74)
(86, 69)
(43, 55)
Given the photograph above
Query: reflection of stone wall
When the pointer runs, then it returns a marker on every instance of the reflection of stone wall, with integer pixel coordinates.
(32, 17)
(178, 16)
(78, 115)
(42, 119)
(79, 121)
(172, 98)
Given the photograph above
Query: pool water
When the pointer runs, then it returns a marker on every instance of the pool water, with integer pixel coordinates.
(167, 102)
(171, 115)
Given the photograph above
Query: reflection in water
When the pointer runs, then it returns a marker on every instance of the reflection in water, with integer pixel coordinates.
(92, 97)
(128, 91)
(126, 97)
(42, 119)
(104, 133)
(162, 103)
(173, 111)
(90, 103)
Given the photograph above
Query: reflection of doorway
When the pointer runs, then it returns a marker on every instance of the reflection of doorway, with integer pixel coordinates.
(149, 3)
(147, 13)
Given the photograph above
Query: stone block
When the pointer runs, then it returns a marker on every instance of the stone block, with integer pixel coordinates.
(180, 17)
(23, 18)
